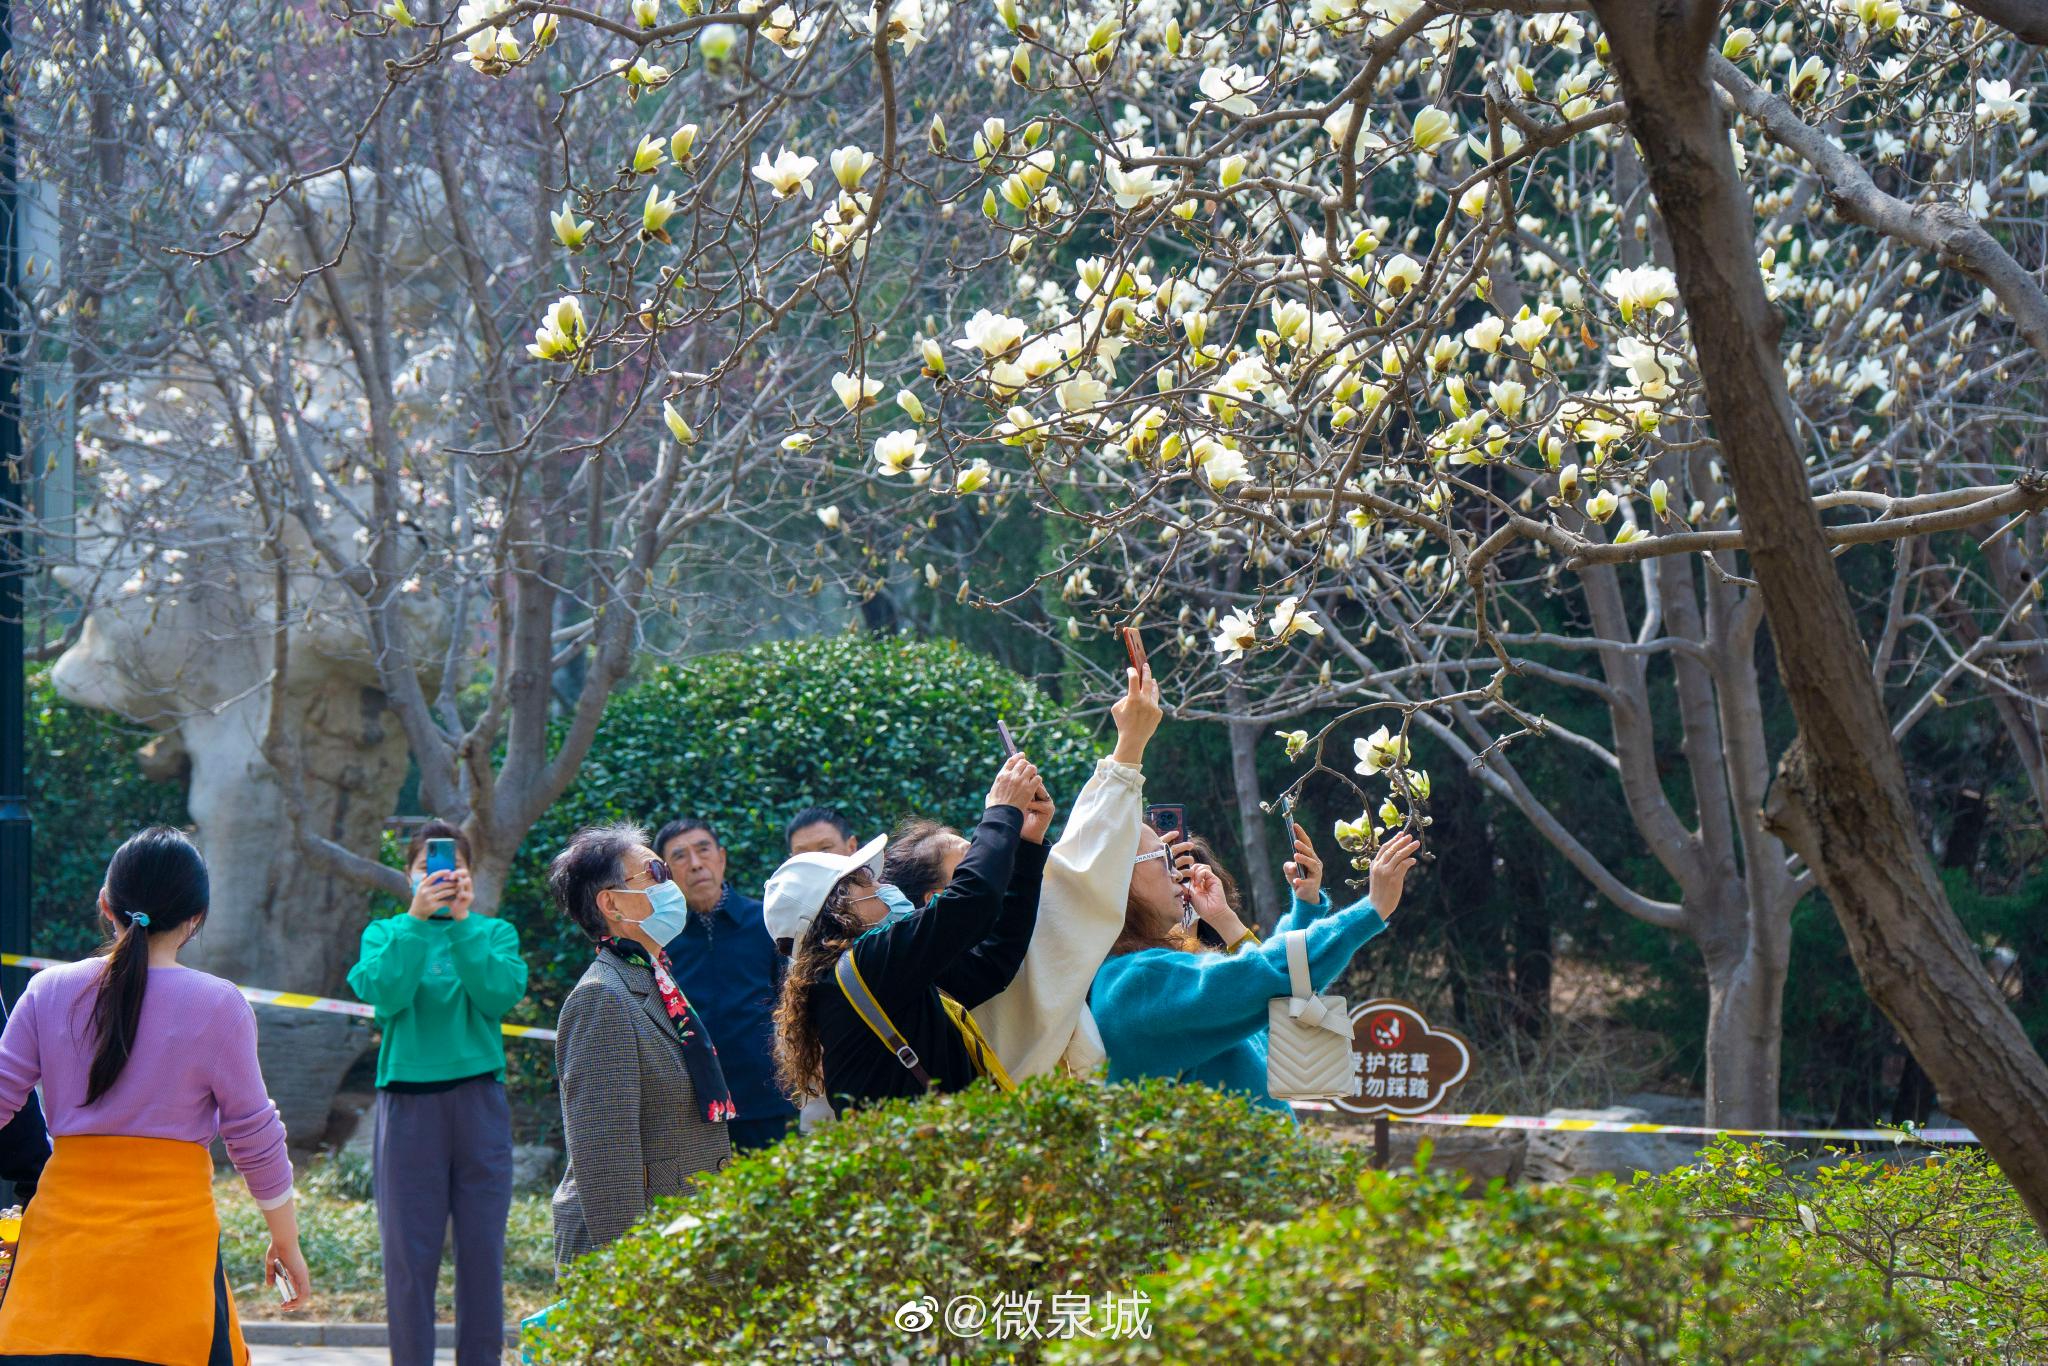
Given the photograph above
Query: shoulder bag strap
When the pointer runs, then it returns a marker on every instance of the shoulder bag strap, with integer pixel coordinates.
(874, 1017)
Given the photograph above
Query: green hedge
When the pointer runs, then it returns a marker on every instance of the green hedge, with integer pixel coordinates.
(804, 1252)
(1252, 1241)
(880, 727)
(86, 794)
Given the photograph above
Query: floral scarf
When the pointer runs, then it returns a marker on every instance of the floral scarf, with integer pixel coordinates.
(700, 1055)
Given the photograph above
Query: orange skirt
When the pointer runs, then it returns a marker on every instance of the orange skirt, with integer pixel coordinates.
(119, 1261)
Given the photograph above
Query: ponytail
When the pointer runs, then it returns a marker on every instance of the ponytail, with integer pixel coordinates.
(118, 1008)
(156, 884)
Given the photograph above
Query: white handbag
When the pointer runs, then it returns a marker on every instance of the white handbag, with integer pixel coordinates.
(1308, 1037)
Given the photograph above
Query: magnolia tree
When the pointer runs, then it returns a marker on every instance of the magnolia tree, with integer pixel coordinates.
(1422, 356)
(344, 357)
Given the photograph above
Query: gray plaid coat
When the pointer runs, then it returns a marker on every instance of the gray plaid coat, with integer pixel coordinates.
(630, 1116)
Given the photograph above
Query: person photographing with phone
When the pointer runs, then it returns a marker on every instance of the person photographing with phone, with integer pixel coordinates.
(875, 1003)
(143, 1063)
(441, 977)
(1041, 1022)
(1168, 1006)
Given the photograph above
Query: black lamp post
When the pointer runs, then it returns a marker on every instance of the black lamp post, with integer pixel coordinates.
(14, 505)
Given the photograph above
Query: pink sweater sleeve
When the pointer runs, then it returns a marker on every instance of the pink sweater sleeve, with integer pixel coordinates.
(249, 1122)
(21, 1061)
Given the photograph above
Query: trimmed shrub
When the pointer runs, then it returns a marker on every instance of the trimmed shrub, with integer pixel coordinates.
(804, 1252)
(1943, 1235)
(880, 727)
(1410, 1271)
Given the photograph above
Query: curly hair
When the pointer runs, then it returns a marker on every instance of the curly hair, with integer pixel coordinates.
(799, 1053)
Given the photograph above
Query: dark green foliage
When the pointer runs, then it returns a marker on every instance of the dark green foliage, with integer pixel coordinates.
(881, 728)
(1063, 1188)
(86, 793)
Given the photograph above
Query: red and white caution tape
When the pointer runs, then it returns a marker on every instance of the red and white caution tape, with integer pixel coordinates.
(1610, 1126)
(294, 1000)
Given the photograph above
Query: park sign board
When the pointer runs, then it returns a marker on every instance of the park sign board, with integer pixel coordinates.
(1406, 1066)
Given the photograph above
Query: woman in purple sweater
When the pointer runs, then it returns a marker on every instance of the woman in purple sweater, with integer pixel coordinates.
(142, 1062)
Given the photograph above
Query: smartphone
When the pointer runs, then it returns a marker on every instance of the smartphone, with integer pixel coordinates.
(282, 1284)
(440, 856)
(1168, 817)
(1134, 647)
(1003, 733)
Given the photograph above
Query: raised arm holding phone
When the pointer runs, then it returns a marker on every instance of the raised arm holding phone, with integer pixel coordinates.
(874, 1003)
(1040, 1022)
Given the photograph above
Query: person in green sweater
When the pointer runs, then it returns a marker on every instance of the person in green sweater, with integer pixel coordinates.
(442, 978)
(1170, 1006)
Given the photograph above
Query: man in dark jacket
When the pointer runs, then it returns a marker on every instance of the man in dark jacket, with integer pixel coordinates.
(25, 1144)
(728, 968)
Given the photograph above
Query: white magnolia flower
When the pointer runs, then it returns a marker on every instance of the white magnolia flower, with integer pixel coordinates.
(561, 331)
(1291, 619)
(570, 232)
(1080, 393)
(992, 334)
(787, 173)
(855, 393)
(1221, 465)
(656, 212)
(974, 478)
(849, 165)
(1379, 751)
(1235, 634)
(1644, 289)
(1649, 368)
(1998, 102)
(898, 453)
(1230, 89)
(1485, 334)
(830, 517)
(1131, 185)
(1432, 129)
(1400, 274)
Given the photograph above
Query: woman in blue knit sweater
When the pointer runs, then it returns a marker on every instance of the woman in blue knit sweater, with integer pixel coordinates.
(1170, 1007)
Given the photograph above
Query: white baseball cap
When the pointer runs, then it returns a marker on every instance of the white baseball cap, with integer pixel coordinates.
(797, 890)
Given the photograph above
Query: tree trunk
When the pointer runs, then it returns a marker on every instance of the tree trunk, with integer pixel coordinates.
(1261, 874)
(1745, 1011)
(1840, 797)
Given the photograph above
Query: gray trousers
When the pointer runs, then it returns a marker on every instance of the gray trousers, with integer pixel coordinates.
(437, 1155)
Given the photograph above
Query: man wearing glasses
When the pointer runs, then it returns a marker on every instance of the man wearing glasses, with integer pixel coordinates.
(725, 963)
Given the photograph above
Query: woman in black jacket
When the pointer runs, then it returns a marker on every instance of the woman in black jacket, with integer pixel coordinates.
(923, 970)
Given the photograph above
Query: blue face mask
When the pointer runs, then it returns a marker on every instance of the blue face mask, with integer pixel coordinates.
(898, 904)
(669, 915)
(417, 879)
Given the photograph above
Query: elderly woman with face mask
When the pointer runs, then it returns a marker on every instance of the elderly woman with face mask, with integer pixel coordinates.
(644, 1101)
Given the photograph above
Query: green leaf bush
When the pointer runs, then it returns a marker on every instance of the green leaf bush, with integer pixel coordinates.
(1943, 1236)
(1407, 1268)
(804, 1252)
(881, 727)
(1253, 1241)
